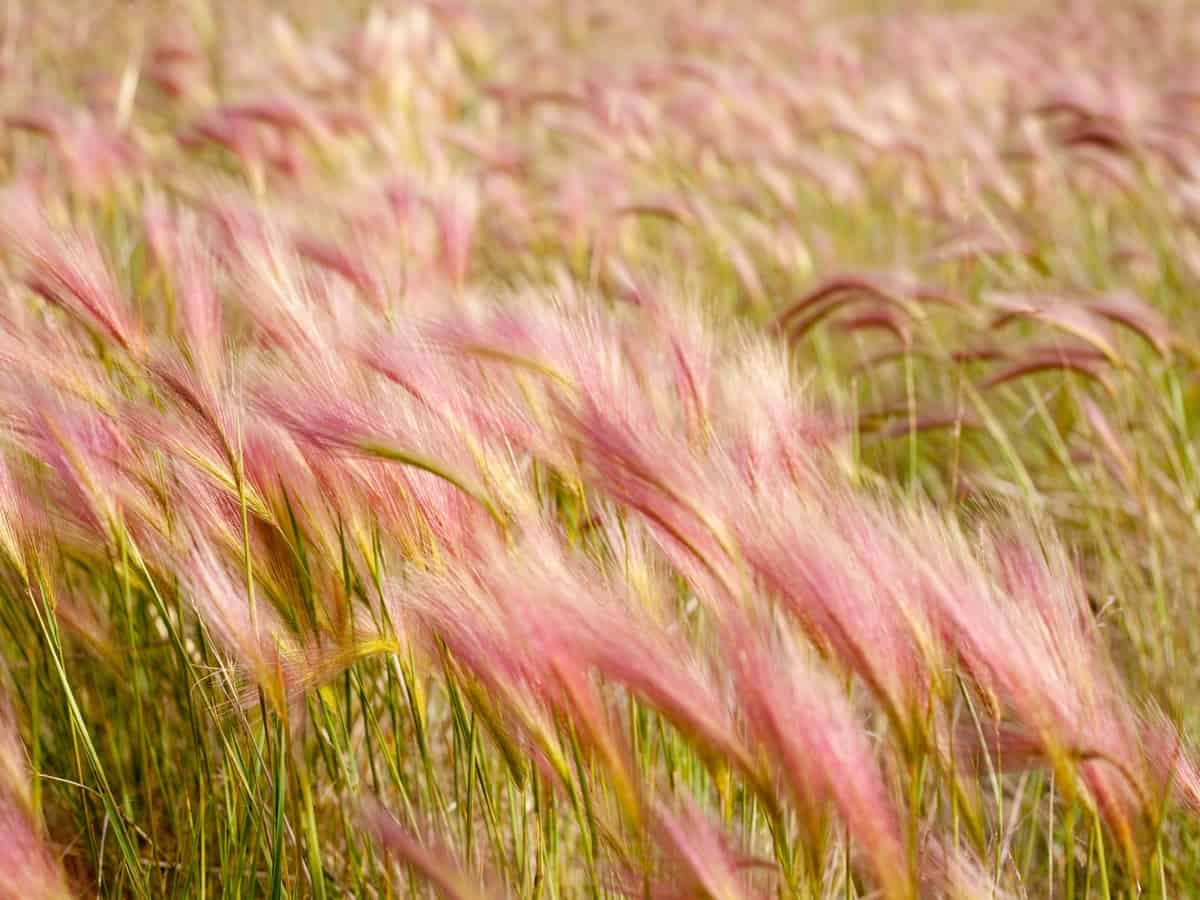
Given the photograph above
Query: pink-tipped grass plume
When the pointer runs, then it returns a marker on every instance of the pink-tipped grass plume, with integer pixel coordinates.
(66, 267)
(802, 718)
(28, 866)
(702, 860)
(433, 861)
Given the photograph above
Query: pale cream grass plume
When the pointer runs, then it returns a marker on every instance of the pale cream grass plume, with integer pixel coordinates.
(12, 541)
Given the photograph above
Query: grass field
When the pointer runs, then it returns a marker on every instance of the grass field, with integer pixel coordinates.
(586, 448)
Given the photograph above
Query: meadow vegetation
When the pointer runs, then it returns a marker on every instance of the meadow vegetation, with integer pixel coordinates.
(550, 449)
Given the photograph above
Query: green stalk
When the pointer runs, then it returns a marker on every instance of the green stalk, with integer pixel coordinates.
(1069, 847)
(316, 869)
(433, 467)
(136, 678)
(80, 732)
(1102, 857)
(587, 816)
(277, 834)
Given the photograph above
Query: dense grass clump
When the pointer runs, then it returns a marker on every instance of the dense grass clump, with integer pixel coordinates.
(554, 449)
